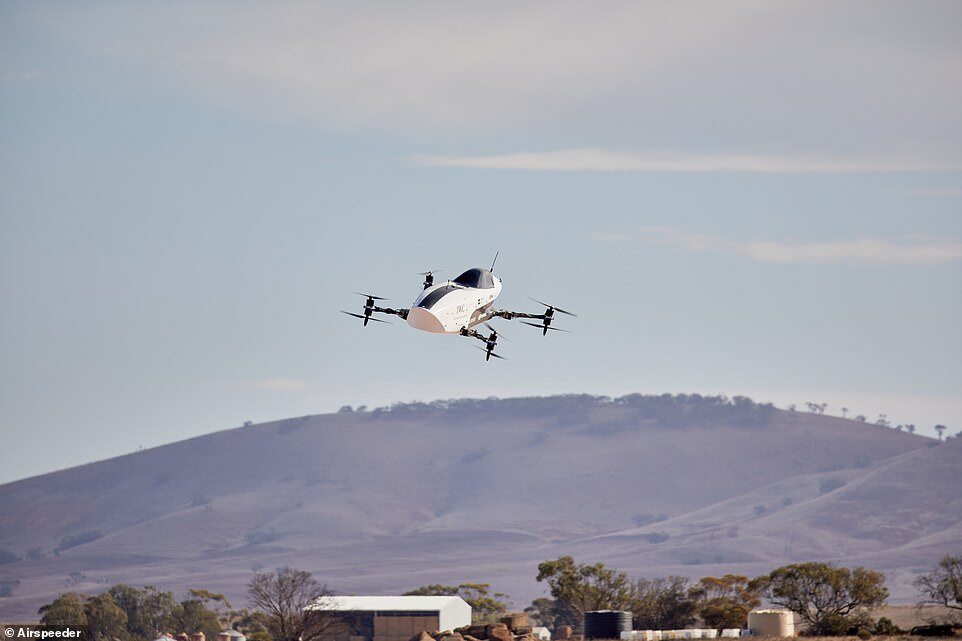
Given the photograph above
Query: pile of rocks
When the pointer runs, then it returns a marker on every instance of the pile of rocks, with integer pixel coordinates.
(511, 628)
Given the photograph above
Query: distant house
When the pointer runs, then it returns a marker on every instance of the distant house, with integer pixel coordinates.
(396, 618)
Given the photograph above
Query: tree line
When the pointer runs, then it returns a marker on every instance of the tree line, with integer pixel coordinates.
(291, 605)
(828, 599)
(278, 611)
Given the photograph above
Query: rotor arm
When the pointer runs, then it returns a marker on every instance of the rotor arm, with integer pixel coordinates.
(490, 342)
(403, 313)
(509, 315)
(473, 333)
(545, 318)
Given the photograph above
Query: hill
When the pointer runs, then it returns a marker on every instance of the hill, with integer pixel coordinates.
(452, 491)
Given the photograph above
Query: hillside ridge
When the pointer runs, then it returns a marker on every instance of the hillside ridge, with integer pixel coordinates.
(471, 489)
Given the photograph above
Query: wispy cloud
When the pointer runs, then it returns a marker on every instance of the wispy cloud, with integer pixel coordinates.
(862, 250)
(606, 160)
(732, 76)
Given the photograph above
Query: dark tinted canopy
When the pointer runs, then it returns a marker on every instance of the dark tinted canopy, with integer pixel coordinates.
(476, 277)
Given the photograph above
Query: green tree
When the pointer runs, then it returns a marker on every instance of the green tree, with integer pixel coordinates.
(149, 611)
(105, 619)
(435, 589)
(66, 610)
(485, 605)
(828, 599)
(943, 584)
(191, 615)
(543, 611)
(663, 604)
(724, 602)
(207, 597)
(296, 605)
(581, 588)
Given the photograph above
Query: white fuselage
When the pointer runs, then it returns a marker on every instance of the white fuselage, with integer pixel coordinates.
(448, 307)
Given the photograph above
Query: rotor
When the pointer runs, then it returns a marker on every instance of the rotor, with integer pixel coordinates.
(369, 308)
(490, 343)
(548, 316)
(429, 277)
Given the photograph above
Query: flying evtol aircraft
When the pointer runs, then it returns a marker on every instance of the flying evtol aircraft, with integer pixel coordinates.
(458, 306)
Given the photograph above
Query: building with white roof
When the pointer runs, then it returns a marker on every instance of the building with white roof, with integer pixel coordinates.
(396, 618)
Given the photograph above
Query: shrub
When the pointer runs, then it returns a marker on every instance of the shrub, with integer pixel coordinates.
(7, 586)
(885, 627)
(828, 485)
(73, 540)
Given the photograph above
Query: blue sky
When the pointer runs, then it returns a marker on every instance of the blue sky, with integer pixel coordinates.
(739, 198)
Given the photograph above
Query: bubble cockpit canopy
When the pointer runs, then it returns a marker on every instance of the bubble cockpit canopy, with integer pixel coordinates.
(476, 277)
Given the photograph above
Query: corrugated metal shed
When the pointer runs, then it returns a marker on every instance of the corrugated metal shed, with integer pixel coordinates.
(451, 611)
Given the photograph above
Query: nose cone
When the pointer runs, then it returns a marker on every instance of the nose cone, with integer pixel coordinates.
(422, 319)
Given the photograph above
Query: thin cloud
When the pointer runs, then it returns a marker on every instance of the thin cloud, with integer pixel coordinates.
(606, 160)
(729, 76)
(862, 250)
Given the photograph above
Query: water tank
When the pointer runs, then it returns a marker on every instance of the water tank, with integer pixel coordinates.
(606, 624)
(771, 623)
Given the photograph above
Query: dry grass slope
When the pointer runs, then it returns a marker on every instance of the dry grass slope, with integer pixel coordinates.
(484, 490)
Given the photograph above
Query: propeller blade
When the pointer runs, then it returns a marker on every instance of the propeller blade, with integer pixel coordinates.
(489, 353)
(431, 271)
(553, 329)
(376, 320)
(557, 309)
(370, 296)
(500, 335)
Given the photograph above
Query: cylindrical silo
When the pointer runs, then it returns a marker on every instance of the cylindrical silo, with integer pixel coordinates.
(606, 624)
(771, 623)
